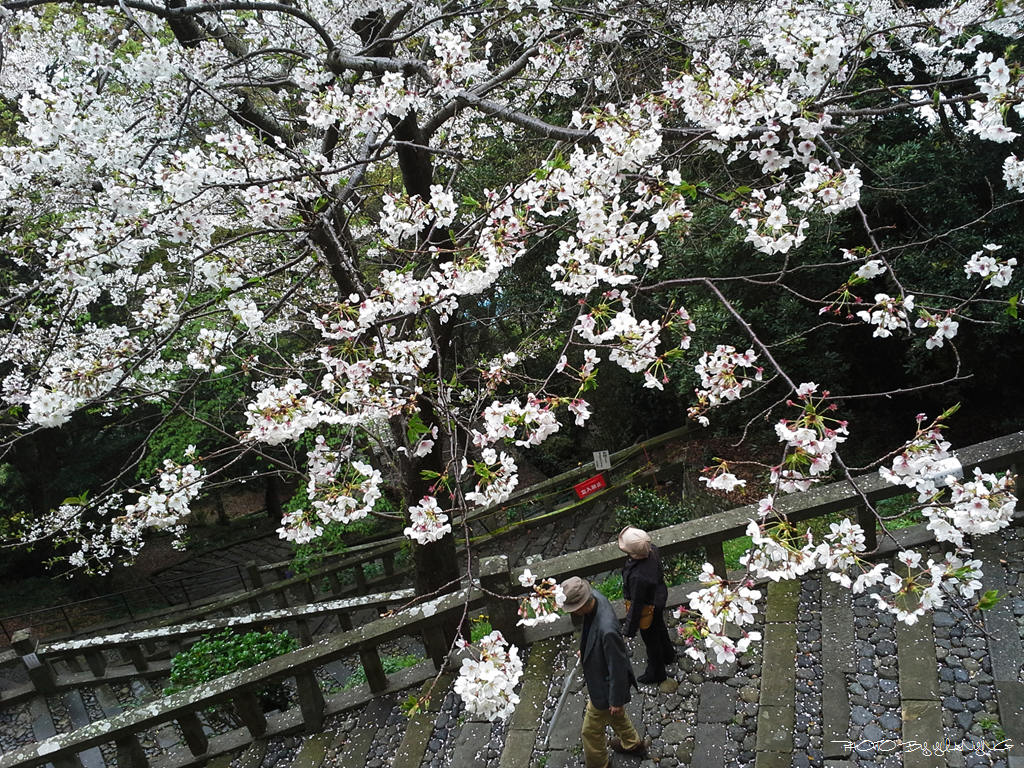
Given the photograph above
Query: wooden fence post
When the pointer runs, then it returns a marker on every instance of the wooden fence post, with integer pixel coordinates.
(436, 645)
(716, 556)
(360, 577)
(866, 520)
(337, 588)
(344, 620)
(502, 608)
(375, 676)
(249, 710)
(192, 729)
(256, 579)
(311, 700)
(39, 670)
(130, 753)
(97, 661)
(137, 657)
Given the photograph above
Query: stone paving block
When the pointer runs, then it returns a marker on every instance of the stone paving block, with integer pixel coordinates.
(915, 649)
(1004, 646)
(835, 711)
(42, 723)
(782, 601)
(922, 723)
(565, 731)
(530, 708)
(779, 664)
(717, 703)
(414, 743)
(92, 757)
(1010, 697)
(707, 748)
(473, 737)
(557, 758)
(775, 729)
(773, 760)
(837, 627)
(353, 754)
(518, 749)
(312, 752)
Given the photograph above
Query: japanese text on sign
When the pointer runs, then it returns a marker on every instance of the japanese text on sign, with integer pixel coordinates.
(589, 486)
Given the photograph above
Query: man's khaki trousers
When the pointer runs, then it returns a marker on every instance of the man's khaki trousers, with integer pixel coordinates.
(595, 744)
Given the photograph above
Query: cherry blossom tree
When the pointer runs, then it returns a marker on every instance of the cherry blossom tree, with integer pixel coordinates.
(334, 202)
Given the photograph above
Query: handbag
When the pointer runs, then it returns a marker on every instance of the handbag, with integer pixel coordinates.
(646, 615)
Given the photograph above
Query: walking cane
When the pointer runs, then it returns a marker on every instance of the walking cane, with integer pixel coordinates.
(561, 700)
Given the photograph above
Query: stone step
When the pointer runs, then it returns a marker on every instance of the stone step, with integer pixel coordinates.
(421, 726)
(776, 716)
(313, 751)
(524, 724)
(1004, 636)
(837, 660)
(92, 757)
(919, 691)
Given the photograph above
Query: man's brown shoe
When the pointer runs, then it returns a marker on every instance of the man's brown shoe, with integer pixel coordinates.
(640, 750)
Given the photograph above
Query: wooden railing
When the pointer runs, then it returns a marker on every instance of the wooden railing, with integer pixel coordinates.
(495, 580)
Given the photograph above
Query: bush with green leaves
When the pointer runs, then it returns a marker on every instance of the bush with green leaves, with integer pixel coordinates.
(309, 556)
(216, 655)
(391, 664)
(647, 509)
(611, 587)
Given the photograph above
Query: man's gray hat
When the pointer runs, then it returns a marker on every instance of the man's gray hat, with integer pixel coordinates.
(577, 593)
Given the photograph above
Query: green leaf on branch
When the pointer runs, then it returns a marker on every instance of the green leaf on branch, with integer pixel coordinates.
(416, 428)
(988, 600)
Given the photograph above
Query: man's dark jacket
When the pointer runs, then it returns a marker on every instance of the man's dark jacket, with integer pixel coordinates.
(606, 667)
(643, 583)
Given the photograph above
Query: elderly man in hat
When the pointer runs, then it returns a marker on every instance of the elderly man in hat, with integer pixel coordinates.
(608, 675)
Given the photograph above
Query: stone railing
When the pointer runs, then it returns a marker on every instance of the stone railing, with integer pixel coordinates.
(146, 653)
(347, 572)
(495, 583)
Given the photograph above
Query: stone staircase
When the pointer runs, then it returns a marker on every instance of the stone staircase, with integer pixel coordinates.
(835, 683)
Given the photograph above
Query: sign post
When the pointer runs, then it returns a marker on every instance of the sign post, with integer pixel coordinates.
(602, 461)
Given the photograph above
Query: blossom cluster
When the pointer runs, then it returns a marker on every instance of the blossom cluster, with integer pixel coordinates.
(811, 440)
(486, 684)
(281, 414)
(703, 623)
(543, 602)
(994, 272)
(888, 314)
(427, 523)
(724, 374)
(168, 503)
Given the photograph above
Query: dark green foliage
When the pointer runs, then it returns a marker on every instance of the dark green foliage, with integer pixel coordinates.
(647, 509)
(308, 557)
(610, 587)
(391, 665)
(217, 655)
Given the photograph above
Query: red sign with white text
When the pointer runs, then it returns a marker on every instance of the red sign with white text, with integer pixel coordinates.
(587, 487)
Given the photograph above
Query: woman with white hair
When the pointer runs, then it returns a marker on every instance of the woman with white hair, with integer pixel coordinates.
(645, 592)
